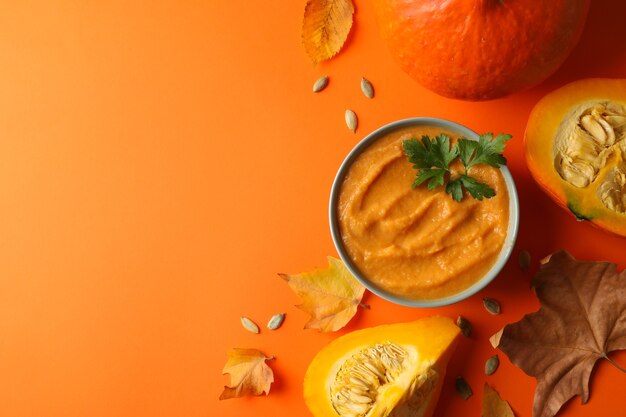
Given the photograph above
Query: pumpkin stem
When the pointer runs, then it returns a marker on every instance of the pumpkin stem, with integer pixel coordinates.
(604, 355)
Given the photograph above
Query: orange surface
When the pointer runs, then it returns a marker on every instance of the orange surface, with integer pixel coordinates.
(163, 160)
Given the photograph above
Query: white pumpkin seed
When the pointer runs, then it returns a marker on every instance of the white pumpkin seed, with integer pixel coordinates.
(492, 306)
(464, 325)
(320, 84)
(491, 365)
(351, 120)
(367, 88)
(249, 325)
(276, 321)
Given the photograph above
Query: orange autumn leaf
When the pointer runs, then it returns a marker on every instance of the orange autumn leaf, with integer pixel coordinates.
(494, 405)
(249, 374)
(325, 28)
(329, 295)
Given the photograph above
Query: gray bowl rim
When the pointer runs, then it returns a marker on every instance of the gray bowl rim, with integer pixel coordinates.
(507, 247)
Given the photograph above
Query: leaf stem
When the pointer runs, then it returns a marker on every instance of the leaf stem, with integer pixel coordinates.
(365, 306)
(604, 355)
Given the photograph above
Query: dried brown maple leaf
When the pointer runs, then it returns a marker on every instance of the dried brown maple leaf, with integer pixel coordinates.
(249, 374)
(329, 295)
(325, 28)
(494, 405)
(582, 318)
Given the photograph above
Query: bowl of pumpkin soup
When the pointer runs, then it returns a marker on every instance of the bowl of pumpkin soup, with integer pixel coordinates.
(417, 246)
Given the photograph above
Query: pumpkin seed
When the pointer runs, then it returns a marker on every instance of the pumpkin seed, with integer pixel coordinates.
(276, 321)
(464, 325)
(367, 88)
(351, 120)
(491, 365)
(524, 260)
(492, 306)
(463, 388)
(249, 325)
(320, 84)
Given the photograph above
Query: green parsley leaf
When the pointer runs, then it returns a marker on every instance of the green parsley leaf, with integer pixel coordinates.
(444, 154)
(466, 151)
(489, 150)
(435, 175)
(430, 153)
(418, 154)
(455, 189)
(432, 158)
(477, 189)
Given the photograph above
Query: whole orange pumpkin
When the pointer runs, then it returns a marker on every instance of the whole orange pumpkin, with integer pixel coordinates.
(480, 49)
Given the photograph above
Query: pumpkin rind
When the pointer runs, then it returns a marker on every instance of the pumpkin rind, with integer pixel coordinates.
(433, 338)
(544, 121)
(480, 49)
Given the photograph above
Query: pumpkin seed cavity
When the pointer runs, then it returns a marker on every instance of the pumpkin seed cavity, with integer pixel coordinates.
(366, 373)
(590, 147)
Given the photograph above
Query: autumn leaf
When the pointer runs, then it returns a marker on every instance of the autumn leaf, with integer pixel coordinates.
(494, 405)
(325, 28)
(581, 319)
(330, 295)
(249, 374)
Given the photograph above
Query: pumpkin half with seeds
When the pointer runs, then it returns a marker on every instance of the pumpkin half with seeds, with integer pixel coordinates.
(392, 370)
(576, 150)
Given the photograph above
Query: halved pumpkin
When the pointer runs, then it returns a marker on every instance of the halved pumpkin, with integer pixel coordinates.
(391, 370)
(576, 150)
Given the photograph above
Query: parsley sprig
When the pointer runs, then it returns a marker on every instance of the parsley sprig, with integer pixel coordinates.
(432, 158)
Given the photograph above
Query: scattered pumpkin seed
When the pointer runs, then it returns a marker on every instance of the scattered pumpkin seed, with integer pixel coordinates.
(276, 321)
(464, 325)
(367, 88)
(492, 306)
(524, 260)
(249, 325)
(320, 84)
(491, 365)
(463, 388)
(351, 120)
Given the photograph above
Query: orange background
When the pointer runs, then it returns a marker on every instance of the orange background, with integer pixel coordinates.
(161, 161)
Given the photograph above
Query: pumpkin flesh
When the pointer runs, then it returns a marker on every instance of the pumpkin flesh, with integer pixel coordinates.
(480, 49)
(575, 146)
(391, 370)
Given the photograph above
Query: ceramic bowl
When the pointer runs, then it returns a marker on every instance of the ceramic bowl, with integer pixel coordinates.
(507, 247)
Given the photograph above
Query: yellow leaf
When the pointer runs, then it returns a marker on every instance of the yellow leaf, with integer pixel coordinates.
(330, 295)
(326, 26)
(249, 374)
(493, 405)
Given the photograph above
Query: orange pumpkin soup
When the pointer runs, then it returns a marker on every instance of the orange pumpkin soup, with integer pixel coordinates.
(414, 242)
